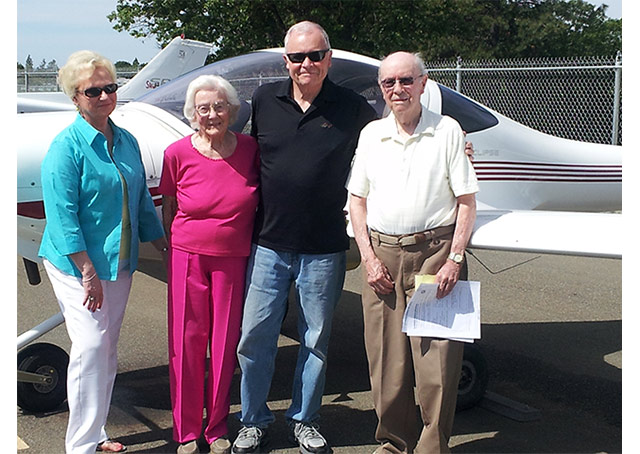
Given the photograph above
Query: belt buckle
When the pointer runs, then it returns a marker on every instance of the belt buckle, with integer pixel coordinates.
(407, 240)
(415, 238)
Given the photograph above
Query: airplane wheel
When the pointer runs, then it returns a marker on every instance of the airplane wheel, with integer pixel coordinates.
(473, 378)
(46, 359)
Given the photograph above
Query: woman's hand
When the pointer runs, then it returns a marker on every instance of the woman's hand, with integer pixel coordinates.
(93, 296)
(162, 247)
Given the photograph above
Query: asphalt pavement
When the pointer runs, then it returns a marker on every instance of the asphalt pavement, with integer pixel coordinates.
(551, 336)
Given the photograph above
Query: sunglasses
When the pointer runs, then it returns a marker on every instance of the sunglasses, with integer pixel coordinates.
(404, 81)
(315, 56)
(94, 92)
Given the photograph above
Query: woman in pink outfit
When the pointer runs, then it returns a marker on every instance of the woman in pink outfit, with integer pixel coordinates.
(210, 193)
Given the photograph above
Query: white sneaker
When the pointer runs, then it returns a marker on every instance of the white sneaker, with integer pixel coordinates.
(309, 439)
(249, 440)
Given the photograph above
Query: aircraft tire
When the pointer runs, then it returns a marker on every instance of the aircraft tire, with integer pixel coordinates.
(473, 378)
(46, 359)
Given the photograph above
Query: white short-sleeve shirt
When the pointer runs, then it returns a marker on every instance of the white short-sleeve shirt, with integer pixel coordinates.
(411, 184)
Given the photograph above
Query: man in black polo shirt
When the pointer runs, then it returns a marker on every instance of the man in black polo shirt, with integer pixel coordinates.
(307, 128)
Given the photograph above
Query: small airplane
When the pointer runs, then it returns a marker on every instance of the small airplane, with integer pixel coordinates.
(178, 57)
(537, 192)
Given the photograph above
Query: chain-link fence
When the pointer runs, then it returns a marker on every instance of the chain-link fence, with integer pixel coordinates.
(576, 98)
(44, 81)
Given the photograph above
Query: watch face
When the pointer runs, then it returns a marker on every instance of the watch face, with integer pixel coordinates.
(458, 258)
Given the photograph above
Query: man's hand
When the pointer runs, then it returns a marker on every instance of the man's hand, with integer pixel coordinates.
(447, 278)
(378, 276)
(468, 148)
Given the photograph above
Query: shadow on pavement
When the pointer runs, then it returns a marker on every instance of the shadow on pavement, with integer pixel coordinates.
(557, 368)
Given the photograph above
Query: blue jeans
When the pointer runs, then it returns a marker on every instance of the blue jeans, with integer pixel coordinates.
(318, 279)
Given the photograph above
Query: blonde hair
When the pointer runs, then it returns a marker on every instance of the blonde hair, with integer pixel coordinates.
(210, 82)
(79, 64)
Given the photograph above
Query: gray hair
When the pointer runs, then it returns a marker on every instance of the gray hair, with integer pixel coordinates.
(79, 64)
(304, 28)
(418, 64)
(210, 82)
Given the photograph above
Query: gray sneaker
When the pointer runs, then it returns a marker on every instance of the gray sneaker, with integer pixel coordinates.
(249, 439)
(309, 439)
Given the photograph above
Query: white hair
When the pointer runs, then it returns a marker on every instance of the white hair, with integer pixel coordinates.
(418, 64)
(210, 82)
(304, 28)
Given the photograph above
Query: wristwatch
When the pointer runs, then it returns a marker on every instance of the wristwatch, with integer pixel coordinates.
(457, 258)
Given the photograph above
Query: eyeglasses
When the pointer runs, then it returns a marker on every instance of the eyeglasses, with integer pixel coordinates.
(218, 108)
(315, 56)
(94, 92)
(404, 81)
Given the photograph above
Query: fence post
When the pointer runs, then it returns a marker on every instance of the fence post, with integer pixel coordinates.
(26, 81)
(616, 99)
(459, 74)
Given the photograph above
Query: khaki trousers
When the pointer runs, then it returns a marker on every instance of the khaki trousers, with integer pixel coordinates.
(397, 361)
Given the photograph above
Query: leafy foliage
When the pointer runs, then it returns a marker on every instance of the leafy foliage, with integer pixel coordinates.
(438, 29)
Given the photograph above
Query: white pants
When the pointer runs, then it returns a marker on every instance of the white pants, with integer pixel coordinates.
(93, 360)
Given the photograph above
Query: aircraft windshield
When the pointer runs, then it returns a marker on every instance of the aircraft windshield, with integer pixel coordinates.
(249, 71)
(471, 116)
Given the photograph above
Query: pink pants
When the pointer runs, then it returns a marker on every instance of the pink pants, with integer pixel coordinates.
(205, 309)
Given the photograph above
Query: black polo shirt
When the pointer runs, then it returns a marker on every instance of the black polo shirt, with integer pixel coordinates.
(305, 160)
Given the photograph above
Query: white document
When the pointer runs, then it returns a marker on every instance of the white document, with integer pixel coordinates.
(456, 316)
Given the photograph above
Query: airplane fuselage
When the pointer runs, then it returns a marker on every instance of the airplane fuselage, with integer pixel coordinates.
(518, 168)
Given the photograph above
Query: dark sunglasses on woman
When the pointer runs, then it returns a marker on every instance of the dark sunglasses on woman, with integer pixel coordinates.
(94, 92)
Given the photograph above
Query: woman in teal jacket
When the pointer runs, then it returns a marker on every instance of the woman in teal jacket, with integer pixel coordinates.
(98, 209)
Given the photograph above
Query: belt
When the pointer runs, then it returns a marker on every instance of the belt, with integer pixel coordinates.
(410, 239)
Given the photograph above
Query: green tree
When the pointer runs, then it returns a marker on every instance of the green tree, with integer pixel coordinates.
(123, 66)
(52, 66)
(28, 64)
(436, 28)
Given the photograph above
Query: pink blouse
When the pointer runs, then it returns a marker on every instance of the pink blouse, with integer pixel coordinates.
(217, 198)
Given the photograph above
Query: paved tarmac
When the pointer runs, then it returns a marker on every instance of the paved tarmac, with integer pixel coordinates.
(551, 335)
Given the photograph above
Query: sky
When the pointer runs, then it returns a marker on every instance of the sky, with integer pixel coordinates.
(53, 29)
(48, 29)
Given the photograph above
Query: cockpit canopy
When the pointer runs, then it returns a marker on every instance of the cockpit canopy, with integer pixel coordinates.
(249, 71)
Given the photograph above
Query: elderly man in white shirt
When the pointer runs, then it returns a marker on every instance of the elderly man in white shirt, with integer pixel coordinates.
(413, 208)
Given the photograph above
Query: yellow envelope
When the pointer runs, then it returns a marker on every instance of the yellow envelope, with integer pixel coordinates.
(424, 279)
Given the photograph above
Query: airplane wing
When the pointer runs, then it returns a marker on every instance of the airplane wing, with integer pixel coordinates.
(551, 232)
